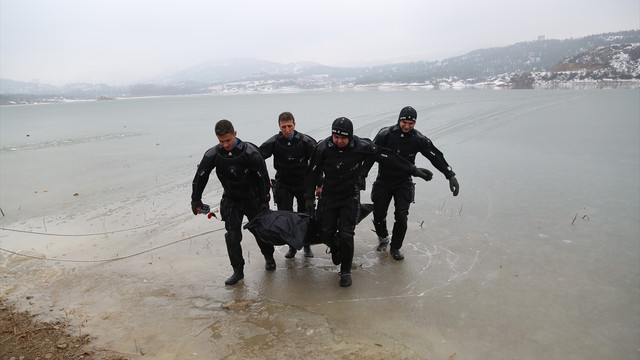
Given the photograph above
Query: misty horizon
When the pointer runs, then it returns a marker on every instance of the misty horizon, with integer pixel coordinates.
(301, 64)
(118, 42)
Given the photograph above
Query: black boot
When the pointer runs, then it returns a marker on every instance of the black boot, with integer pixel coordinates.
(238, 274)
(291, 253)
(270, 263)
(345, 279)
(397, 255)
(307, 251)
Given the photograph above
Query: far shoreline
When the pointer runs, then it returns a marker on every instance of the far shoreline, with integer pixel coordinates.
(457, 86)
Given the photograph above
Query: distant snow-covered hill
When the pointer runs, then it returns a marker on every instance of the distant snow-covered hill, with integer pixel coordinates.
(609, 59)
(613, 65)
(621, 60)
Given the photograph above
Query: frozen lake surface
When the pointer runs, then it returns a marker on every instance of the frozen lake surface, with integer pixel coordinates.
(537, 258)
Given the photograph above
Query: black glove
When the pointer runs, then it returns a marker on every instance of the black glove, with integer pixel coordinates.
(195, 204)
(309, 205)
(454, 186)
(423, 173)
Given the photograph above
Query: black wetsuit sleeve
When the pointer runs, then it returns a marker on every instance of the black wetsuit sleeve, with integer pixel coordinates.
(207, 164)
(266, 149)
(260, 168)
(378, 141)
(435, 156)
(391, 159)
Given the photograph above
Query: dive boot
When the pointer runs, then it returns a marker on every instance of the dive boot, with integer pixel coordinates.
(397, 255)
(307, 251)
(270, 264)
(238, 275)
(345, 279)
(291, 253)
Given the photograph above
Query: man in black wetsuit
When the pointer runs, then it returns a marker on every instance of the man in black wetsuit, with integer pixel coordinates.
(407, 142)
(244, 177)
(340, 159)
(291, 151)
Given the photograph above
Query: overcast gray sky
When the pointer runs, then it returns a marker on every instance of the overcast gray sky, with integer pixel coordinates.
(122, 41)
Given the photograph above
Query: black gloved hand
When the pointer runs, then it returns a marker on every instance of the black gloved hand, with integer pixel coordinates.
(309, 205)
(423, 174)
(454, 186)
(195, 204)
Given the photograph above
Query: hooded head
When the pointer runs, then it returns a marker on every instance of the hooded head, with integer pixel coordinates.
(408, 113)
(343, 127)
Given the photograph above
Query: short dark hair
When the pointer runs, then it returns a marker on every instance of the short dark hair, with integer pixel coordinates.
(286, 116)
(224, 127)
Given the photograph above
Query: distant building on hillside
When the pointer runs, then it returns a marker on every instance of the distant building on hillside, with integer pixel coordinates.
(540, 37)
